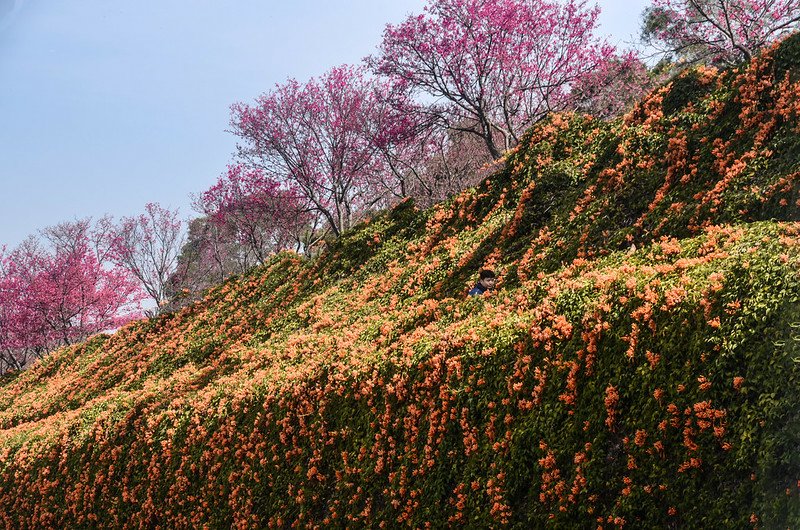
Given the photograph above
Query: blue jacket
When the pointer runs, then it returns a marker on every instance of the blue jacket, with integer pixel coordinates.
(478, 290)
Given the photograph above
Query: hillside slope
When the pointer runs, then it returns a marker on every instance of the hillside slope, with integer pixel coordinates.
(638, 365)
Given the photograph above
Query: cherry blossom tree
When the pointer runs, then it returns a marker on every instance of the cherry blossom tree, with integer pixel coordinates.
(13, 318)
(717, 31)
(215, 249)
(148, 247)
(210, 254)
(612, 88)
(318, 137)
(262, 213)
(493, 67)
(405, 136)
(436, 164)
(55, 290)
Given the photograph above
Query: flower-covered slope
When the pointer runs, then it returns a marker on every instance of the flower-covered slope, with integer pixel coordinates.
(639, 364)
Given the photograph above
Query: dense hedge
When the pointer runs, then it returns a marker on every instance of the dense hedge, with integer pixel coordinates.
(638, 366)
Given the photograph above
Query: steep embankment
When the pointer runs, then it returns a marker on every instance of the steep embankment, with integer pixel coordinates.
(639, 364)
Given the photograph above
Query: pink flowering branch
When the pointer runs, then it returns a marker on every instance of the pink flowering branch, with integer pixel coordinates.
(718, 31)
(264, 214)
(612, 88)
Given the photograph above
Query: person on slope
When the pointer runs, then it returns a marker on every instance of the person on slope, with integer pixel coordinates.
(486, 282)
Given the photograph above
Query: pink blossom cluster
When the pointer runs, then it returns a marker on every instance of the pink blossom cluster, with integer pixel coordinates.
(494, 66)
(60, 290)
(263, 214)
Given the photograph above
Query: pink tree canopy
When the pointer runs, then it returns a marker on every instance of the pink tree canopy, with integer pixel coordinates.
(318, 137)
(612, 88)
(493, 67)
(56, 291)
(718, 31)
(434, 164)
(264, 214)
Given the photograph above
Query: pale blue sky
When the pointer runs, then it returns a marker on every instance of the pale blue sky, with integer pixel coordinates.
(107, 105)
